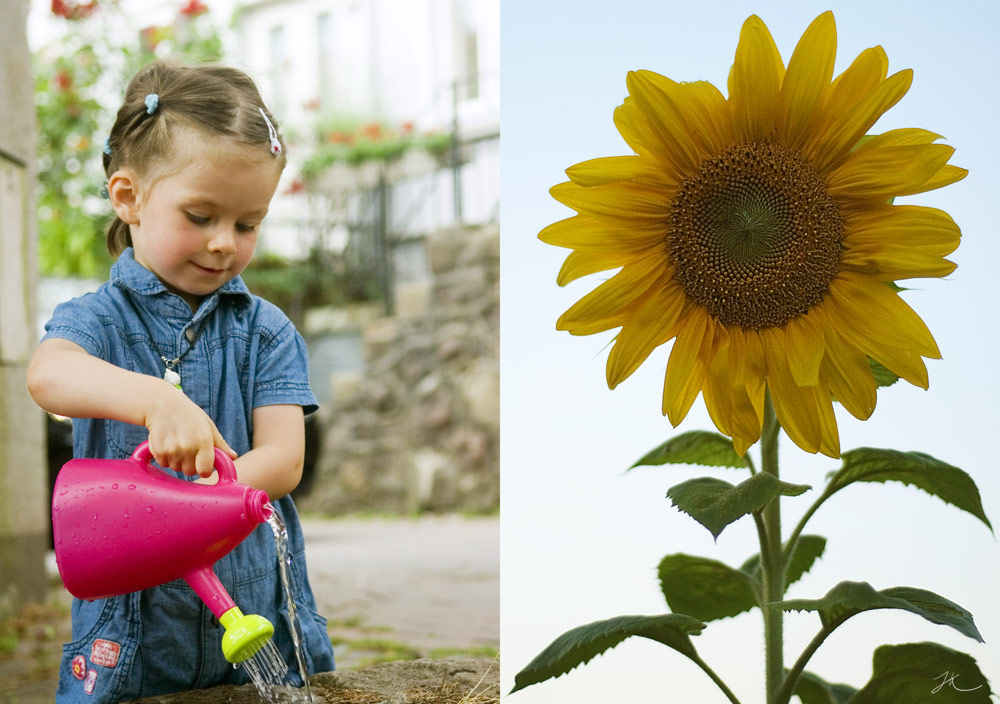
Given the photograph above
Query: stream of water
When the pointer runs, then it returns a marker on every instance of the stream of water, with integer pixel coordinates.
(266, 668)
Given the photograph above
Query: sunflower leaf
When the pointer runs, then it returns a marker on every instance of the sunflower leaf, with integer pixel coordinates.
(807, 550)
(848, 599)
(694, 447)
(919, 672)
(883, 377)
(812, 689)
(580, 645)
(948, 483)
(704, 588)
(715, 503)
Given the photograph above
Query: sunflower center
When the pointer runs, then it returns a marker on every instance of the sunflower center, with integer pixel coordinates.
(755, 236)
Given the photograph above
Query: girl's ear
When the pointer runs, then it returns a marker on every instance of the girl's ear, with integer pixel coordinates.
(123, 191)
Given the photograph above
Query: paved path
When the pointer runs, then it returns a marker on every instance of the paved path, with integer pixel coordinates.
(391, 588)
(428, 583)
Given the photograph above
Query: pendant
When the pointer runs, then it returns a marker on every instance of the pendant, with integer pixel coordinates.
(172, 378)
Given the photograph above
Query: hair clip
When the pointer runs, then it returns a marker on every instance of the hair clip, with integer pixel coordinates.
(152, 102)
(104, 192)
(107, 146)
(272, 134)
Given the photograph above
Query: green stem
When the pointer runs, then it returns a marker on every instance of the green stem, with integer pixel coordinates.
(773, 569)
(715, 678)
(794, 537)
(788, 688)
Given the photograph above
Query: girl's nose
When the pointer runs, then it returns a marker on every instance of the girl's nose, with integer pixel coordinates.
(223, 240)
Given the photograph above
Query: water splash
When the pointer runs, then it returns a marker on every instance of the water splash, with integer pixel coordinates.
(267, 671)
(284, 561)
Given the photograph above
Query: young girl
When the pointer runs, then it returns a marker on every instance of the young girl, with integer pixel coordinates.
(175, 349)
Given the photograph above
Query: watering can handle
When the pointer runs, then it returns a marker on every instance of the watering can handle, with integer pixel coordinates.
(223, 464)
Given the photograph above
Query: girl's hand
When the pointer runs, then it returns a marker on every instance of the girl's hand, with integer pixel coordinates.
(181, 435)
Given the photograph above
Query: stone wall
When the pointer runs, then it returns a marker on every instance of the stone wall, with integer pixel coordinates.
(418, 428)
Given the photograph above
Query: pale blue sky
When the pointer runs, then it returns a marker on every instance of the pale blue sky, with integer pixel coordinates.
(580, 541)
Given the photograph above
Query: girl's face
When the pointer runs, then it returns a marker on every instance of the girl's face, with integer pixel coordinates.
(196, 228)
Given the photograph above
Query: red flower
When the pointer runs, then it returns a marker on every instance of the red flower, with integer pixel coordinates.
(339, 138)
(406, 128)
(73, 10)
(296, 186)
(194, 8)
(372, 131)
(63, 80)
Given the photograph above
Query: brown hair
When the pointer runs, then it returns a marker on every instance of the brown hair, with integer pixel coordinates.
(216, 101)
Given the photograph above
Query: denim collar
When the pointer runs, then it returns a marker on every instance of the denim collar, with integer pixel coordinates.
(127, 273)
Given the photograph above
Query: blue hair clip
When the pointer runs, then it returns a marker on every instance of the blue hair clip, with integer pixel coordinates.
(152, 102)
(104, 192)
(107, 146)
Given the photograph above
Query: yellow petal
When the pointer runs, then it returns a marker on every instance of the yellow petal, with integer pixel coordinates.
(807, 80)
(904, 363)
(903, 137)
(846, 369)
(804, 346)
(865, 304)
(716, 390)
(639, 134)
(585, 262)
(868, 69)
(794, 405)
(928, 230)
(617, 203)
(755, 82)
(746, 415)
(703, 107)
(635, 130)
(645, 330)
(831, 145)
(582, 232)
(880, 174)
(887, 262)
(668, 123)
(687, 364)
(945, 177)
(614, 296)
(614, 169)
(756, 372)
(829, 443)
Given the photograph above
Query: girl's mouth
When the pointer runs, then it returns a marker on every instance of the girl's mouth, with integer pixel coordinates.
(208, 270)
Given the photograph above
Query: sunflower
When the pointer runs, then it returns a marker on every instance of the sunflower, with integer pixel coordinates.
(758, 232)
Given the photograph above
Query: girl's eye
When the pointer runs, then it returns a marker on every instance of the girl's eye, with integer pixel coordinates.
(196, 219)
(240, 227)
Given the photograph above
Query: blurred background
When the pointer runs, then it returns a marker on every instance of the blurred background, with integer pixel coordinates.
(382, 245)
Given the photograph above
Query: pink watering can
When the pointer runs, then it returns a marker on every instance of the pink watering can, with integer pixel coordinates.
(124, 525)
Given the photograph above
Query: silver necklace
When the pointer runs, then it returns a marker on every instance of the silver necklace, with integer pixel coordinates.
(170, 373)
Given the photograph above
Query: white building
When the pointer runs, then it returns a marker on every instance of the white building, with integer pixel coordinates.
(432, 65)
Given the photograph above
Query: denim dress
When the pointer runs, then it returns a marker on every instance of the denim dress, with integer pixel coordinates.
(245, 353)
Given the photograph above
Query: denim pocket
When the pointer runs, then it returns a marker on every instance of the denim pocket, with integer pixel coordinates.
(97, 665)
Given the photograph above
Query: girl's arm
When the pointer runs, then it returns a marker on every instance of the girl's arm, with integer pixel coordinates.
(275, 462)
(63, 378)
